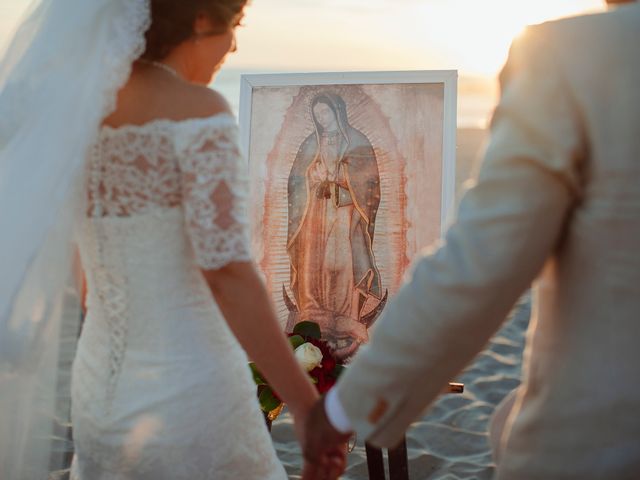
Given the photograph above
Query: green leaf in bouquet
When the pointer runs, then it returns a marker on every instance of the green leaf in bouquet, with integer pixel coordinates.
(268, 401)
(296, 341)
(308, 329)
(337, 371)
(257, 376)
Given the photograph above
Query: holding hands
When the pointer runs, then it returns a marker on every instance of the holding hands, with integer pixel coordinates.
(323, 447)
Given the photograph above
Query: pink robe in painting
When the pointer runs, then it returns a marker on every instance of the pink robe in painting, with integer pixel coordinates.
(334, 195)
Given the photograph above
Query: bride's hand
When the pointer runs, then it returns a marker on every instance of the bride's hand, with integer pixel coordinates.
(322, 461)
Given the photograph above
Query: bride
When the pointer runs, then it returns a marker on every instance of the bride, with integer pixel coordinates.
(152, 184)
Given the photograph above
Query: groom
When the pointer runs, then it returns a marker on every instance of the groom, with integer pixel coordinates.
(557, 198)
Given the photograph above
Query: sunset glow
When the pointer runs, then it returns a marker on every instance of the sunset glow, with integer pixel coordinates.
(476, 34)
(472, 36)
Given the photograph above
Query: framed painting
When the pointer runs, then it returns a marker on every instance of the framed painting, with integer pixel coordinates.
(351, 174)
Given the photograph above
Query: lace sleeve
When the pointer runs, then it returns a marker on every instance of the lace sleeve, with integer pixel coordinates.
(214, 194)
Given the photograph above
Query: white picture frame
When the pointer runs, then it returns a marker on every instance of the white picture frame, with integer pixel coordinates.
(386, 170)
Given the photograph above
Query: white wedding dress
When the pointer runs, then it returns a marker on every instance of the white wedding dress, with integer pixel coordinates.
(160, 386)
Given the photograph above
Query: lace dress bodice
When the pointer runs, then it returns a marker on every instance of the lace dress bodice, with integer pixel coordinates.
(163, 164)
(160, 387)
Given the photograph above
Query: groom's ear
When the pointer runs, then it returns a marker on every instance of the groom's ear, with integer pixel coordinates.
(378, 411)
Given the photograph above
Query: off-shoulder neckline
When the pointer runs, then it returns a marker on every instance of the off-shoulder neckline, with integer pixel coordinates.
(217, 119)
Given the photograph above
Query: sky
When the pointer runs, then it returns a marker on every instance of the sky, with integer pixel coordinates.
(471, 36)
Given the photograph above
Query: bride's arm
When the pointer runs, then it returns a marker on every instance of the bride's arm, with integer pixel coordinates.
(215, 191)
(245, 304)
(214, 197)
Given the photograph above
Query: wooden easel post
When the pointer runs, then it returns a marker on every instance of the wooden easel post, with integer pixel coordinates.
(398, 462)
(398, 458)
(375, 462)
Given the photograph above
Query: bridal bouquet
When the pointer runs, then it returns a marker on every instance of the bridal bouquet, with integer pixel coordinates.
(313, 354)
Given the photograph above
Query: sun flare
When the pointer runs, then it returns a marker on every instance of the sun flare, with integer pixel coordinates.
(477, 34)
(472, 36)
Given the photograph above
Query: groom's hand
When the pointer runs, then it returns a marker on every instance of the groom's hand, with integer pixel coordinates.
(324, 447)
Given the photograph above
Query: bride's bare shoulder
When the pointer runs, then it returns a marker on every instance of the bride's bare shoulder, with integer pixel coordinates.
(149, 96)
(194, 101)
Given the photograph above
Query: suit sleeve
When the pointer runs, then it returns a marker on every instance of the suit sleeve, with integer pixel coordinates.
(507, 225)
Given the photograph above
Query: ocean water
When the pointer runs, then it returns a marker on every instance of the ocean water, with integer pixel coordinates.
(476, 95)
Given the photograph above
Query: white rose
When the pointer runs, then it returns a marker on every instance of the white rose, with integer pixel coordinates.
(308, 355)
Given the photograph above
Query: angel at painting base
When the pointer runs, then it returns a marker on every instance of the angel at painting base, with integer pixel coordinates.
(334, 196)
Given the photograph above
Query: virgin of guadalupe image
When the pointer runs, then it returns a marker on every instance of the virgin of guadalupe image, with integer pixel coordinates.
(333, 199)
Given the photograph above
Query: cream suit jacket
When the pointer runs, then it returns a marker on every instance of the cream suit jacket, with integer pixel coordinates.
(557, 199)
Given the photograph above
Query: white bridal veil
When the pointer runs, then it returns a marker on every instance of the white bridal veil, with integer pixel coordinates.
(58, 79)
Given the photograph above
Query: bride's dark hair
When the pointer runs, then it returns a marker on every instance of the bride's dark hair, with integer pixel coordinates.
(172, 22)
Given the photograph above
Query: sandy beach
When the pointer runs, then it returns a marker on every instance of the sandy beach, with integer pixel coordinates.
(450, 440)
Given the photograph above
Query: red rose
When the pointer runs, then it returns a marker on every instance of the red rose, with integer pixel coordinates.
(322, 374)
(328, 364)
(324, 381)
